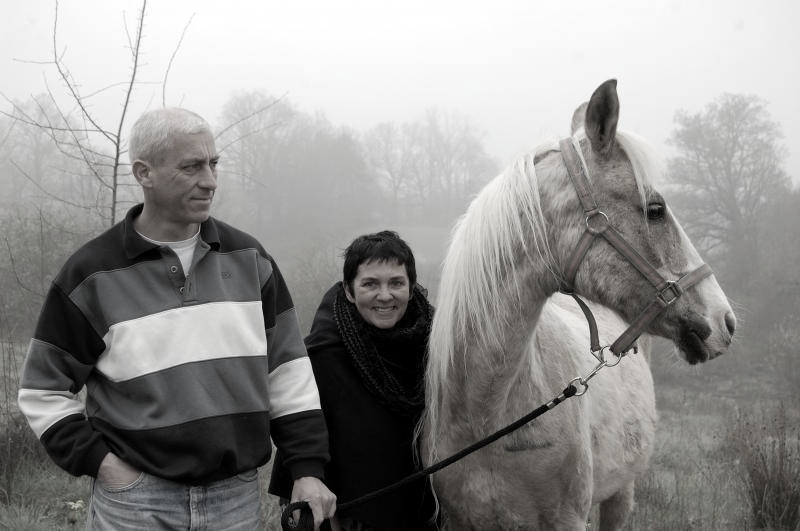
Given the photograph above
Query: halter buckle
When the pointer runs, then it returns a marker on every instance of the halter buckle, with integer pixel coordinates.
(600, 225)
(670, 293)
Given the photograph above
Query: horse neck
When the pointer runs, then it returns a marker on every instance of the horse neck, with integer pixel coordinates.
(495, 281)
(490, 337)
(502, 270)
(497, 353)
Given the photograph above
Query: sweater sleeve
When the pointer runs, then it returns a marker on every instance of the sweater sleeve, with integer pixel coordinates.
(60, 358)
(297, 424)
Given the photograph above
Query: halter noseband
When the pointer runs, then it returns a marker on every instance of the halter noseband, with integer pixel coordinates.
(597, 224)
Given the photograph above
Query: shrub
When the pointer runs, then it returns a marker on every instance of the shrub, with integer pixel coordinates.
(19, 449)
(767, 448)
(18, 444)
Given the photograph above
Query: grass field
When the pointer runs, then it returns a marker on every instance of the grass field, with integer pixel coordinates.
(719, 432)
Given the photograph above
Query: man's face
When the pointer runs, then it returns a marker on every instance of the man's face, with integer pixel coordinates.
(183, 184)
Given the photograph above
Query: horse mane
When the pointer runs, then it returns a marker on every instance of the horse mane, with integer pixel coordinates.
(481, 257)
(505, 220)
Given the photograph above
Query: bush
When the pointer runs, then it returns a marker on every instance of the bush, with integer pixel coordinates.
(767, 448)
(18, 445)
(19, 449)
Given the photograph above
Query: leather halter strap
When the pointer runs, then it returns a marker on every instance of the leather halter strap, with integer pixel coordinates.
(597, 224)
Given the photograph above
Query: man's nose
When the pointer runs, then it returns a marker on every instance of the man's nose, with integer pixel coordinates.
(208, 179)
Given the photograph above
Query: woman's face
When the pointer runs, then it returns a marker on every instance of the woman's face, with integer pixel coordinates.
(381, 291)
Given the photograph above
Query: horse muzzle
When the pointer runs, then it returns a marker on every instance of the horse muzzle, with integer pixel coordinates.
(697, 341)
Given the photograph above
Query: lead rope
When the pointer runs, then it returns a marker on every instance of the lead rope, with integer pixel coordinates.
(306, 520)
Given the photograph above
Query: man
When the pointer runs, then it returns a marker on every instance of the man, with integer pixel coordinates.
(184, 334)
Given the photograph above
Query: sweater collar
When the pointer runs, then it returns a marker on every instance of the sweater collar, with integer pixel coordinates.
(135, 245)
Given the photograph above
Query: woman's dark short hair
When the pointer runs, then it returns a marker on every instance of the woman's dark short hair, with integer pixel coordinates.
(384, 246)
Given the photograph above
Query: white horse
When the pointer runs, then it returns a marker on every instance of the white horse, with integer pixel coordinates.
(505, 341)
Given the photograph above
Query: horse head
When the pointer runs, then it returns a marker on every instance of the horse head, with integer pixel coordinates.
(623, 202)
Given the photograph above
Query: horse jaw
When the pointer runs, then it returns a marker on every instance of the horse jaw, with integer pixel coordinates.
(701, 327)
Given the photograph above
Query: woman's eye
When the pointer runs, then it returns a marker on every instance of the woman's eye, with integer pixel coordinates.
(655, 211)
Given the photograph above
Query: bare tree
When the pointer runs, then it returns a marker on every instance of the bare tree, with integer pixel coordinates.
(251, 148)
(457, 163)
(431, 166)
(389, 157)
(727, 173)
(79, 134)
(290, 171)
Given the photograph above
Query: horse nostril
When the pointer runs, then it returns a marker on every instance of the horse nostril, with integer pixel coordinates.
(730, 322)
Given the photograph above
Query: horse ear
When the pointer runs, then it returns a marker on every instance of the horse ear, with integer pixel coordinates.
(579, 117)
(602, 114)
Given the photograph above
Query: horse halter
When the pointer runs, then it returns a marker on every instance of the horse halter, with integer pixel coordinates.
(598, 224)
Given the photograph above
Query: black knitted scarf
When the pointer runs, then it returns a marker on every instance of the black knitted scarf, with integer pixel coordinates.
(391, 363)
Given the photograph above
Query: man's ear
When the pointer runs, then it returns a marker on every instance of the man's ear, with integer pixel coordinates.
(141, 172)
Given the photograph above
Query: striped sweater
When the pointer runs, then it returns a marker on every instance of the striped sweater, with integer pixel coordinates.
(186, 377)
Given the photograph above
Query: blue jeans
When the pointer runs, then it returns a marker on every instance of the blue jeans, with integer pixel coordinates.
(151, 502)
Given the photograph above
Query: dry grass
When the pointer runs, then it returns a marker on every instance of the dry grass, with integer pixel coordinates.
(727, 458)
(767, 448)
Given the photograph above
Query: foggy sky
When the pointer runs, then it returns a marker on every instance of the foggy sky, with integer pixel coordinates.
(515, 69)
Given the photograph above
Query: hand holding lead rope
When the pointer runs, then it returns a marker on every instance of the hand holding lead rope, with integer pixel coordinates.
(305, 520)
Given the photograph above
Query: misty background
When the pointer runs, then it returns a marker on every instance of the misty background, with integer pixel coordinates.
(334, 119)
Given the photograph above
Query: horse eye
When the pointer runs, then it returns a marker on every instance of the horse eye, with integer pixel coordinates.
(655, 211)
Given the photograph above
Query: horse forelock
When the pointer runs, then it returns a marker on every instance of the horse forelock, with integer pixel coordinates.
(648, 165)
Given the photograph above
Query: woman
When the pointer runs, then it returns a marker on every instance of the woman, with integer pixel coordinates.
(367, 347)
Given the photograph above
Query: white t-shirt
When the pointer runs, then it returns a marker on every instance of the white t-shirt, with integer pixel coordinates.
(184, 249)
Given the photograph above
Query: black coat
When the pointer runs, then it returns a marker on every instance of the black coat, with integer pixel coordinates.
(371, 446)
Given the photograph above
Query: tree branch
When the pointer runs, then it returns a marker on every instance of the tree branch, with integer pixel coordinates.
(169, 64)
(249, 116)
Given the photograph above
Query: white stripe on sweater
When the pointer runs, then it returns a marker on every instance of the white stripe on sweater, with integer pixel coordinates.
(43, 408)
(189, 334)
(292, 388)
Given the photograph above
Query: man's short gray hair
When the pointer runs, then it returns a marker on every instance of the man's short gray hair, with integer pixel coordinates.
(153, 134)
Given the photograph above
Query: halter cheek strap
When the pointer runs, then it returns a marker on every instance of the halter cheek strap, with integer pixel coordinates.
(597, 225)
